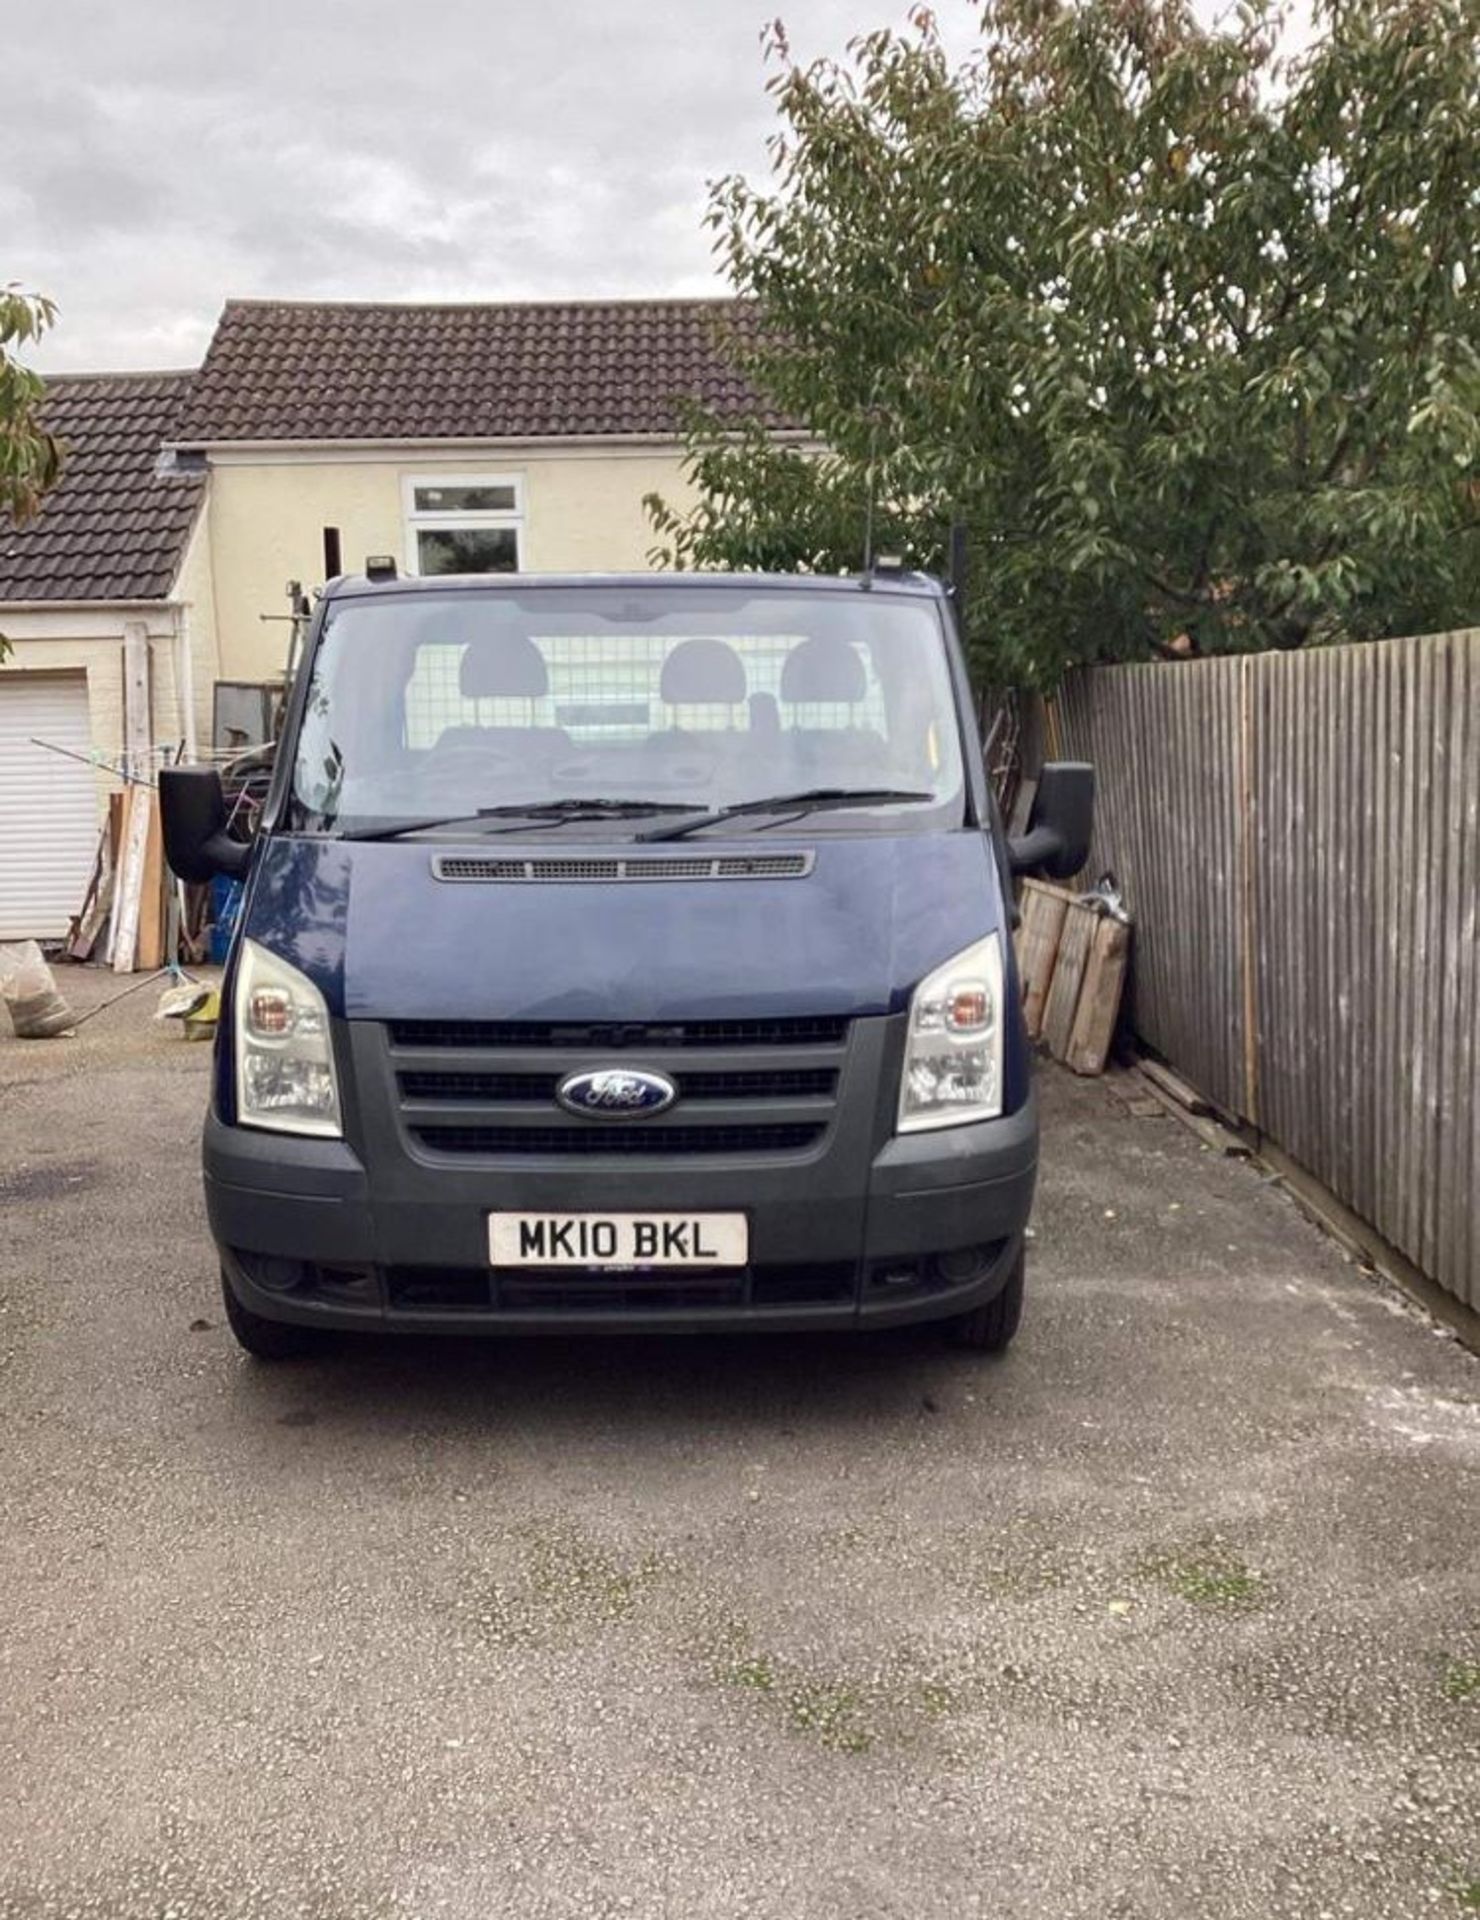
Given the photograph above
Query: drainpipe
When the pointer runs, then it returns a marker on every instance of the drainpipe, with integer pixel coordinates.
(185, 678)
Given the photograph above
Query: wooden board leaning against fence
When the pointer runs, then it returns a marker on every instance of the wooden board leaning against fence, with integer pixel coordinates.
(1072, 956)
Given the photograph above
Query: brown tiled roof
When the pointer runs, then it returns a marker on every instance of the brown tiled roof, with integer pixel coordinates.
(288, 370)
(111, 529)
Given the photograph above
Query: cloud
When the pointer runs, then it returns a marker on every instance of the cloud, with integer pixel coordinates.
(162, 158)
(165, 156)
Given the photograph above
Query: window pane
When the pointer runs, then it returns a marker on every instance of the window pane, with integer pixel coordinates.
(491, 499)
(432, 704)
(467, 550)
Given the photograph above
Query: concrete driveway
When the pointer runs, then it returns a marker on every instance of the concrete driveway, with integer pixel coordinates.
(1174, 1612)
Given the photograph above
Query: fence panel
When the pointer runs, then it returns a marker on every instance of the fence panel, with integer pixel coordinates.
(1299, 835)
(1166, 745)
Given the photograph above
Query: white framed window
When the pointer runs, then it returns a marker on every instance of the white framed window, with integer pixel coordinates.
(463, 522)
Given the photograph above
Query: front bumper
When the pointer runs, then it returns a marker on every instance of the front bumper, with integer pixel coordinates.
(306, 1236)
(388, 1227)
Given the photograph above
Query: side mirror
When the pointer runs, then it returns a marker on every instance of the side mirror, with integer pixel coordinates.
(1060, 824)
(192, 807)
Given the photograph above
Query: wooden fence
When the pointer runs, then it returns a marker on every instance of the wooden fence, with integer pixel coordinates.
(1299, 838)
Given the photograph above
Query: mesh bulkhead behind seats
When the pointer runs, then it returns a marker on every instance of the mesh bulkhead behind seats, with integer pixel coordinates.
(825, 671)
(708, 675)
(508, 667)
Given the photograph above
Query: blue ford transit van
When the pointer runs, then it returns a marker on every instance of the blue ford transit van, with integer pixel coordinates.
(624, 953)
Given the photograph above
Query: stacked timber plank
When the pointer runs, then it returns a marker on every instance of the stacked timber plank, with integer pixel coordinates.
(124, 917)
(1072, 958)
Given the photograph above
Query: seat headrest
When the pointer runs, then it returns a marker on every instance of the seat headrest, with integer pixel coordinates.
(823, 669)
(508, 667)
(703, 673)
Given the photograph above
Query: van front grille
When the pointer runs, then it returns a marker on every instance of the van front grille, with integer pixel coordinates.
(827, 1030)
(741, 1087)
(635, 1137)
(774, 1083)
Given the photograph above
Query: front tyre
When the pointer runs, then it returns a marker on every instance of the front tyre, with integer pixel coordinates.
(990, 1328)
(267, 1339)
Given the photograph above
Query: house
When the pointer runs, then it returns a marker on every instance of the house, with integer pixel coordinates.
(464, 438)
(105, 602)
(453, 438)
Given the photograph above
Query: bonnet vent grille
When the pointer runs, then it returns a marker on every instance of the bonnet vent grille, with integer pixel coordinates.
(477, 868)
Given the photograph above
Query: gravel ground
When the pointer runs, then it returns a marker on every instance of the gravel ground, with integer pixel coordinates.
(1174, 1612)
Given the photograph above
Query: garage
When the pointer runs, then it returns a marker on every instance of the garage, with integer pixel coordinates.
(48, 803)
(89, 585)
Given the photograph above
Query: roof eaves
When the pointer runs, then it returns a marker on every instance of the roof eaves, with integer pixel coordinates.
(66, 377)
(120, 603)
(586, 302)
(461, 443)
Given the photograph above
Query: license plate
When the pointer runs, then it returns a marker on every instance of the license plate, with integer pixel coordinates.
(618, 1239)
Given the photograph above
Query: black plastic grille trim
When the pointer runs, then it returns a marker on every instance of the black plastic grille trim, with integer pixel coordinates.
(475, 868)
(806, 1030)
(570, 1296)
(627, 1141)
(775, 1083)
(481, 1289)
(445, 1289)
(825, 1283)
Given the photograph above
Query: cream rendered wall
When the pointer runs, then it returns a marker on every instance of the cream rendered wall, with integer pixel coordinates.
(194, 595)
(583, 513)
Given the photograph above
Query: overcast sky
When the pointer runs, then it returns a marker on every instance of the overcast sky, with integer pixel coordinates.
(164, 155)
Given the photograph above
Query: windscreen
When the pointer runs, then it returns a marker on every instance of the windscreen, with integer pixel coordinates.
(447, 703)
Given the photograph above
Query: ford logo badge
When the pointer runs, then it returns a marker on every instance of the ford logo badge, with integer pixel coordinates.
(616, 1092)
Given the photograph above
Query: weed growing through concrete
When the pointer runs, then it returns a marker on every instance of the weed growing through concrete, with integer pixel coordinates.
(1462, 1680)
(566, 1582)
(829, 1712)
(1212, 1576)
(572, 1577)
(753, 1670)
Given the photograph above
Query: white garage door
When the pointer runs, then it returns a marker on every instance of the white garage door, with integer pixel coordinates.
(48, 804)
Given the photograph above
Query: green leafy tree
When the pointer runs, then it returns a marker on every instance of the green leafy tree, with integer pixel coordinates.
(30, 459)
(1186, 335)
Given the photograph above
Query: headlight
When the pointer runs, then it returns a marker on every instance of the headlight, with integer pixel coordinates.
(953, 1055)
(284, 1060)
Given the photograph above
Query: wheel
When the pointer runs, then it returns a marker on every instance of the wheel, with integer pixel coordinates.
(267, 1339)
(989, 1328)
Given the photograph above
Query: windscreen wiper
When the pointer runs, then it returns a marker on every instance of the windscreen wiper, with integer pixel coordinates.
(581, 807)
(809, 800)
(545, 812)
